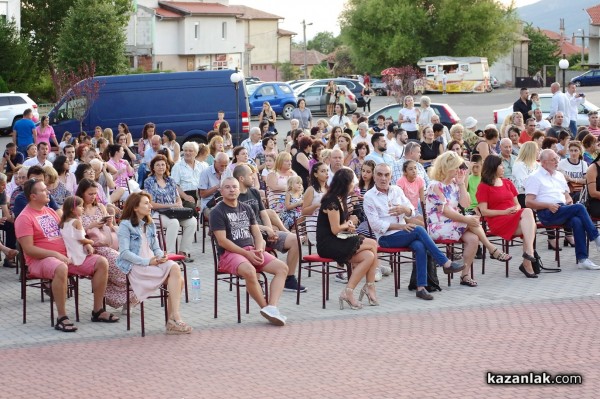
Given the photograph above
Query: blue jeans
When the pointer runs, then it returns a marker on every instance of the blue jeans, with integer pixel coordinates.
(419, 241)
(573, 128)
(575, 217)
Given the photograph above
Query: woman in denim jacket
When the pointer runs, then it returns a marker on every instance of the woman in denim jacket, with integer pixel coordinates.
(146, 264)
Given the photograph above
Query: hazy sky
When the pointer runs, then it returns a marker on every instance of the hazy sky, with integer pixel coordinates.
(322, 13)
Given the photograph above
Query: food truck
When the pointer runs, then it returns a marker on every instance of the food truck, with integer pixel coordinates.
(460, 74)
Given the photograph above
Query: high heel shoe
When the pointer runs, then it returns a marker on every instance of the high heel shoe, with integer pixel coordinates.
(364, 291)
(567, 243)
(343, 299)
(550, 246)
(526, 273)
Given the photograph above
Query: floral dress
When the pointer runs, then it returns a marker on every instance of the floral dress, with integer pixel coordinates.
(441, 227)
(60, 193)
(116, 288)
(287, 216)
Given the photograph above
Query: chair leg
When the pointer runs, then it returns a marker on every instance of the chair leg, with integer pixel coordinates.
(215, 295)
(325, 269)
(185, 282)
(75, 282)
(165, 294)
(299, 280)
(237, 296)
(142, 319)
(128, 305)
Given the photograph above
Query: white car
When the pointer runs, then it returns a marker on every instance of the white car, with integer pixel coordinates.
(12, 106)
(545, 105)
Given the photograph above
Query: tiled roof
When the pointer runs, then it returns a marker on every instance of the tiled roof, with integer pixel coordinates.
(167, 13)
(253, 13)
(566, 47)
(313, 57)
(283, 32)
(187, 8)
(594, 13)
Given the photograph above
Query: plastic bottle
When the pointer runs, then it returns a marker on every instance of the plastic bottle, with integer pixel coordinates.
(195, 284)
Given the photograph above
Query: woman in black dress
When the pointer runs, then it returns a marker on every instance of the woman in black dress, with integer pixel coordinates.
(360, 252)
(300, 161)
(430, 148)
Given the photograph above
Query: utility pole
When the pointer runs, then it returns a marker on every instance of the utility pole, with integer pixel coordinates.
(304, 35)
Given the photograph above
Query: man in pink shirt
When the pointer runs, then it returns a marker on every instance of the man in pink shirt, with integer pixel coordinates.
(38, 232)
(594, 126)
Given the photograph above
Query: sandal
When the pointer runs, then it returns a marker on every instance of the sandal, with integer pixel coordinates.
(178, 327)
(466, 280)
(65, 327)
(97, 319)
(501, 256)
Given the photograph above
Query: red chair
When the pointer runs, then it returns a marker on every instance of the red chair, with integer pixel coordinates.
(314, 262)
(234, 280)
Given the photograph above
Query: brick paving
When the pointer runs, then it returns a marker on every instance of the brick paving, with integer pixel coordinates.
(404, 348)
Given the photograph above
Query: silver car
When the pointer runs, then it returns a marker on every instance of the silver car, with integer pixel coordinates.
(316, 98)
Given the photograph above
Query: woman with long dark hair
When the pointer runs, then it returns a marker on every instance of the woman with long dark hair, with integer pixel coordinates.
(497, 201)
(336, 239)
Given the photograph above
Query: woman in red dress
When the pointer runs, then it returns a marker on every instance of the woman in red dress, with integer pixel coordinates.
(497, 198)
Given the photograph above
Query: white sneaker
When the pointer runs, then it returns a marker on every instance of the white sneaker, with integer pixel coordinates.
(272, 314)
(385, 270)
(588, 264)
(378, 274)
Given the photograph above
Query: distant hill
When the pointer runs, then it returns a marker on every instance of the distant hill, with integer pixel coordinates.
(546, 14)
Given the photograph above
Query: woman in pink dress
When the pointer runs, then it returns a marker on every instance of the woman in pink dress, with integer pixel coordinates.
(44, 132)
(497, 201)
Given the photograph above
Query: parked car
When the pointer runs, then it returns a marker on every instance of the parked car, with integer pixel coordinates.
(300, 85)
(546, 105)
(252, 80)
(279, 94)
(494, 82)
(353, 84)
(590, 78)
(316, 98)
(195, 98)
(12, 106)
(447, 115)
(378, 85)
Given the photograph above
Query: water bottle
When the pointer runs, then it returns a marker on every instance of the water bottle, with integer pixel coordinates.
(195, 284)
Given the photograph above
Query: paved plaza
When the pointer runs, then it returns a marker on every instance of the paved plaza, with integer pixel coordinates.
(404, 348)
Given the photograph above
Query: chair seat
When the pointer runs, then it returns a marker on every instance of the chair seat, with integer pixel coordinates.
(393, 250)
(175, 257)
(316, 258)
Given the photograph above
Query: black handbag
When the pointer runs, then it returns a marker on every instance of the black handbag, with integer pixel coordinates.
(177, 213)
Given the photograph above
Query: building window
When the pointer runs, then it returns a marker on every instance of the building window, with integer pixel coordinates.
(196, 30)
(159, 65)
(224, 30)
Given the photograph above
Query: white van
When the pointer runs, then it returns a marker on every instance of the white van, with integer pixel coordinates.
(462, 74)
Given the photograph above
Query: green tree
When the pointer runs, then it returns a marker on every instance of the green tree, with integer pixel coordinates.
(15, 61)
(92, 32)
(42, 21)
(542, 49)
(324, 42)
(288, 71)
(384, 33)
(343, 62)
(320, 72)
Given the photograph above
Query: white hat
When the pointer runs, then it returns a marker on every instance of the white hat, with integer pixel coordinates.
(470, 122)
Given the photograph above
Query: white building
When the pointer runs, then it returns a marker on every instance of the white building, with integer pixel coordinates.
(11, 9)
(191, 35)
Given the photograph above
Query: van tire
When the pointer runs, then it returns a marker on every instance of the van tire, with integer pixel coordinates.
(287, 111)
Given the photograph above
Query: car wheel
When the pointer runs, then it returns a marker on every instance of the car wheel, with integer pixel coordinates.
(287, 111)
(577, 83)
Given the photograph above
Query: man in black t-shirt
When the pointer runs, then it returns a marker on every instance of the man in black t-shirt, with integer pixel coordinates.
(241, 249)
(271, 227)
(523, 104)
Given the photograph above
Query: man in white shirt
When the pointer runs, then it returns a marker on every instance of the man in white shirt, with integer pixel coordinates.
(540, 123)
(186, 174)
(396, 138)
(560, 102)
(574, 101)
(547, 192)
(42, 156)
(70, 154)
(336, 163)
(396, 225)
(252, 141)
(378, 155)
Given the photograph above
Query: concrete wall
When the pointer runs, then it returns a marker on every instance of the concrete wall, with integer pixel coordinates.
(11, 10)
(594, 45)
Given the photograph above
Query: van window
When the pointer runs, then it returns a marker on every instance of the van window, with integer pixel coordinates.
(72, 109)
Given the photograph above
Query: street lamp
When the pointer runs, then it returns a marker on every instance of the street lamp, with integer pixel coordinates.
(563, 64)
(236, 78)
(304, 32)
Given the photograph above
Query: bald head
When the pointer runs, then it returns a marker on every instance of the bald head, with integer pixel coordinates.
(221, 162)
(382, 176)
(554, 87)
(506, 147)
(336, 159)
(547, 154)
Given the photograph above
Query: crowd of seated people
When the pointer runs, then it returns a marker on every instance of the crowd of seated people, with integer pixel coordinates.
(408, 182)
